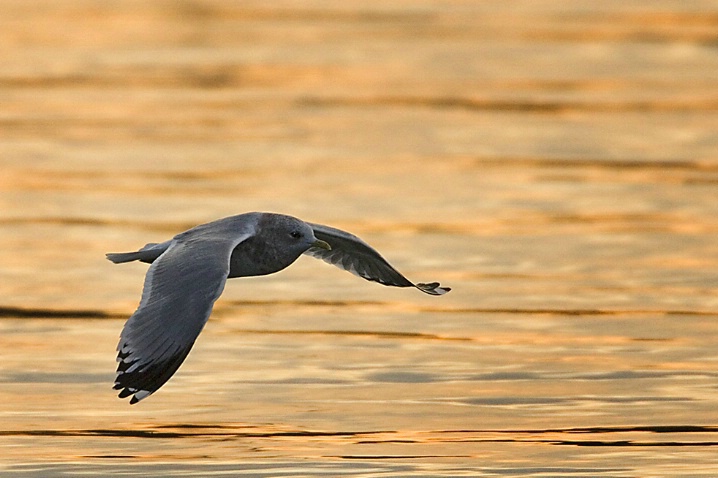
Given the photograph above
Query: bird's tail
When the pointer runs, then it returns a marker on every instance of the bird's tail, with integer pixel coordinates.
(147, 254)
(120, 257)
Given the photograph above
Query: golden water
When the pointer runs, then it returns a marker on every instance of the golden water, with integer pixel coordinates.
(556, 167)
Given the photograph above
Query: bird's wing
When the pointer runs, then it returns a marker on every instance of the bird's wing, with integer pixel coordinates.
(356, 256)
(180, 289)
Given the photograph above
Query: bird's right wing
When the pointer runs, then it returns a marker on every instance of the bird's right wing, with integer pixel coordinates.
(352, 254)
(180, 289)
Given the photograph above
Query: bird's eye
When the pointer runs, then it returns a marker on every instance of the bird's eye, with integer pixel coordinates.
(295, 234)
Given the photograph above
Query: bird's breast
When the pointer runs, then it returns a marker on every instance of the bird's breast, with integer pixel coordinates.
(255, 259)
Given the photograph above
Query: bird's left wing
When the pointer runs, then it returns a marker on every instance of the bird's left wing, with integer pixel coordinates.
(180, 289)
(352, 254)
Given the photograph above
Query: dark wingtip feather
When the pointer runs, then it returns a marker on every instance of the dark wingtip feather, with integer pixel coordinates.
(432, 288)
(124, 392)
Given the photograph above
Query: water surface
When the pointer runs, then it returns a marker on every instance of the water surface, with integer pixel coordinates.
(555, 167)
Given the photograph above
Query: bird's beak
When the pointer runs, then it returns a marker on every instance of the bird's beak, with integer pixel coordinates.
(322, 244)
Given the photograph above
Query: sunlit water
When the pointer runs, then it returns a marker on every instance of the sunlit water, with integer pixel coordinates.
(557, 170)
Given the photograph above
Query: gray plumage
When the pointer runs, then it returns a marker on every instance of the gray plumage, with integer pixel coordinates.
(188, 273)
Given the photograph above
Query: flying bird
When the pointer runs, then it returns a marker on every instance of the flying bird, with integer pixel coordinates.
(188, 273)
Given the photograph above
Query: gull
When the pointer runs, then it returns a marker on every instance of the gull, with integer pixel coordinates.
(188, 273)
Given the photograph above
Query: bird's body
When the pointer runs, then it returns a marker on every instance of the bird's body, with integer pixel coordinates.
(188, 273)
